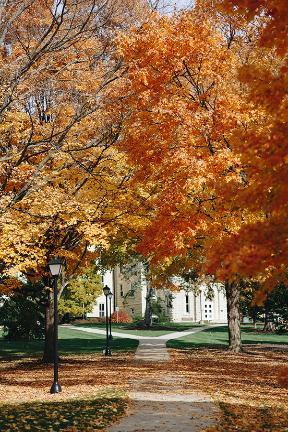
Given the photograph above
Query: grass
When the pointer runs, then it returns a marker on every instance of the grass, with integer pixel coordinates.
(134, 329)
(70, 342)
(78, 342)
(218, 337)
(73, 415)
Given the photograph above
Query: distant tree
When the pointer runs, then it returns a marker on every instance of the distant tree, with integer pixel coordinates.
(276, 309)
(80, 294)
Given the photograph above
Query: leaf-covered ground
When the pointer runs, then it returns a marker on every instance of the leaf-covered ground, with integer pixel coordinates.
(246, 385)
(74, 415)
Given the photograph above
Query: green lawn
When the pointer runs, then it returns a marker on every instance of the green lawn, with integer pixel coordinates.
(70, 342)
(73, 415)
(218, 336)
(133, 329)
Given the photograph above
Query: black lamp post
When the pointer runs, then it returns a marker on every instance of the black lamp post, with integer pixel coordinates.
(107, 351)
(55, 266)
(110, 295)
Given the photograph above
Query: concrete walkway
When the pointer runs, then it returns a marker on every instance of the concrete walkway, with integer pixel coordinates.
(154, 349)
(160, 405)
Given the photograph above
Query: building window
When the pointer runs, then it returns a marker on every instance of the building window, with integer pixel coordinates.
(187, 302)
(208, 311)
(121, 290)
(101, 310)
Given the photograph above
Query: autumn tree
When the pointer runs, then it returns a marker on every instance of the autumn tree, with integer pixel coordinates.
(200, 112)
(259, 247)
(63, 182)
(184, 100)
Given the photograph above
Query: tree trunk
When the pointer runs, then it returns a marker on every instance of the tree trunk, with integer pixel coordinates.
(269, 325)
(233, 313)
(255, 322)
(148, 310)
(148, 314)
(49, 329)
(254, 317)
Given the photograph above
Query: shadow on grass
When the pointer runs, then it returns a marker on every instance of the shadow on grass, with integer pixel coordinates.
(86, 346)
(74, 415)
(21, 349)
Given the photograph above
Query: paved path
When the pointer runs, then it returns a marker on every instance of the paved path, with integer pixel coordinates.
(160, 405)
(154, 349)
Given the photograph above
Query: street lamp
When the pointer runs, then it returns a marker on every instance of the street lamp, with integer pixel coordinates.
(110, 295)
(106, 291)
(201, 312)
(55, 266)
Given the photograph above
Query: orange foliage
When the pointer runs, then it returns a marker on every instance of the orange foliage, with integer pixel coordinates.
(207, 132)
(121, 317)
(9, 284)
(183, 100)
(260, 245)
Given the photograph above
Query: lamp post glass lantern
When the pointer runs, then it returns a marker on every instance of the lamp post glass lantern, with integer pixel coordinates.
(110, 295)
(55, 265)
(107, 351)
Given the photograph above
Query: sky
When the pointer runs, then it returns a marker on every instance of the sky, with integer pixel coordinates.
(171, 5)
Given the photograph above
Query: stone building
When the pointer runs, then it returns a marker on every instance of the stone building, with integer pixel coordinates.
(130, 290)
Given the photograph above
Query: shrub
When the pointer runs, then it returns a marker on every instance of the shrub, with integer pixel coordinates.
(138, 319)
(121, 317)
(158, 309)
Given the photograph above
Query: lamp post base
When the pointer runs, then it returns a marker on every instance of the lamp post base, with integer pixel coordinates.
(56, 388)
(107, 352)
